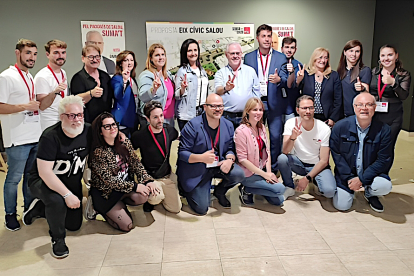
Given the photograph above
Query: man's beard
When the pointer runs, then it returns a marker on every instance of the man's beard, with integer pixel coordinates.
(57, 62)
(22, 62)
(74, 131)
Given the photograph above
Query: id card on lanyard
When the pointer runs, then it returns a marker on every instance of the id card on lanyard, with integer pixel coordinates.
(29, 116)
(264, 81)
(61, 93)
(381, 106)
(213, 147)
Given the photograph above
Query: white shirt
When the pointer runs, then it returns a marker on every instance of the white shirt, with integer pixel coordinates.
(201, 91)
(308, 144)
(45, 83)
(263, 79)
(14, 91)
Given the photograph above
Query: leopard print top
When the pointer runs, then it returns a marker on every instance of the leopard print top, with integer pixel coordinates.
(104, 169)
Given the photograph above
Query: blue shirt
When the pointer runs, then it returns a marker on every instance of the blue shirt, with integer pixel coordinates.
(361, 136)
(246, 85)
(348, 89)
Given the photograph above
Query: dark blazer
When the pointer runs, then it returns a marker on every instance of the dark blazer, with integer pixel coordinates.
(195, 139)
(274, 93)
(110, 65)
(293, 93)
(344, 144)
(331, 94)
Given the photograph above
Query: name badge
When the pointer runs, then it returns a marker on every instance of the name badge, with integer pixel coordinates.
(382, 107)
(284, 94)
(31, 117)
(214, 164)
(263, 88)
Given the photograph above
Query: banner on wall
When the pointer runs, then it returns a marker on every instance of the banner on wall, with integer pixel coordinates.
(109, 37)
(212, 38)
(279, 32)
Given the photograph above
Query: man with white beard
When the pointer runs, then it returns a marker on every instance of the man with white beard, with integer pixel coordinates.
(55, 179)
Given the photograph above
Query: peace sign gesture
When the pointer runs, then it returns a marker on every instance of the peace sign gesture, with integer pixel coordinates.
(156, 83)
(300, 74)
(296, 130)
(230, 83)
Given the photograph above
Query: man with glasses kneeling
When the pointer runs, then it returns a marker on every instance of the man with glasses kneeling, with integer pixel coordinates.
(206, 151)
(55, 179)
(362, 152)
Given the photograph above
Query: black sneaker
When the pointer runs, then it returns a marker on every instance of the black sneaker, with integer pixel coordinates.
(222, 199)
(245, 197)
(11, 222)
(375, 203)
(148, 207)
(35, 210)
(59, 249)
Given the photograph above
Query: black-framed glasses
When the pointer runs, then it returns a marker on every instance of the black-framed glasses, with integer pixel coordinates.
(91, 58)
(216, 106)
(72, 116)
(308, 107)
(367, 105)
(109, 126)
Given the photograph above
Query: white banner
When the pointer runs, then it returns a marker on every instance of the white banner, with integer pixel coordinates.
(281, 31)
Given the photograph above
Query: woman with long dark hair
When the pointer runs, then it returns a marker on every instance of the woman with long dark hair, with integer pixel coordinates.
(113, 166)
(390, 84)
(191, 83)
(355, 76)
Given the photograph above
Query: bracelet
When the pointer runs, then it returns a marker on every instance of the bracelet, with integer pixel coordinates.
(68, 194)
(90, 93)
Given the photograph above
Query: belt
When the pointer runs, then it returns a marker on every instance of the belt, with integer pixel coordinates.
(264, 99)
(233, 114)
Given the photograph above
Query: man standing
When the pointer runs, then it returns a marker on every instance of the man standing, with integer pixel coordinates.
(236, 83)
(55, 179)
(270, 69)
(309, 140)
(92, 84)
(50, 83)
(21, 130)
(95, 38)
(206, 151)
(362, 152)
(154, 144)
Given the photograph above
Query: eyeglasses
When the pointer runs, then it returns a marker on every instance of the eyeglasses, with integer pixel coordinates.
(91, 58)
(109, 126)
(308, 107)
(95, 42)
(216, 106)
(72, 116)
(367, 105)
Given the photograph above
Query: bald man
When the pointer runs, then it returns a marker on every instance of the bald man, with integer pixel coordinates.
(95, 38)
(206, 151)
(361, 149)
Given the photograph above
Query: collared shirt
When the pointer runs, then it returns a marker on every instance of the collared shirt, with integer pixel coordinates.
(246, 85)
(264, 77)
(361, 136)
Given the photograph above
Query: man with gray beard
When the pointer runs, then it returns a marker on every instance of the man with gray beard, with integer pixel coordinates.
(55, 180)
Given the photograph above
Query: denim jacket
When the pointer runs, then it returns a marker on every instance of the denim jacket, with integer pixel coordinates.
(185, 104)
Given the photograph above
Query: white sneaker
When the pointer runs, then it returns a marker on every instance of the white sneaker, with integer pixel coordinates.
(289, 192)
(90, 213)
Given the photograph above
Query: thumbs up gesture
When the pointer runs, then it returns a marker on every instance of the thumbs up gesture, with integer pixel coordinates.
(387, 78)
(230, 83)
(358, 85)
(275, 77)
(290, 67)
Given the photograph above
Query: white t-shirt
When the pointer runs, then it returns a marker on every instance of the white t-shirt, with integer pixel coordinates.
(14, 91)
(45, 83)
(201, 97)
(308, 144)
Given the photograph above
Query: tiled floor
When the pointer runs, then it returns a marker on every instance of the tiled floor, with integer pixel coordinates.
(305, 237)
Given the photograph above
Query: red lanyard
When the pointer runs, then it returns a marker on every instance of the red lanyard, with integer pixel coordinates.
(264, 68)
(213, 146)
(156, 142)
(381, 90)
(31, 95)
(130, 82)
(62, 93)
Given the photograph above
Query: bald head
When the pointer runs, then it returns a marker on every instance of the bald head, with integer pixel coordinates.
(364, 108)
(364, 96)
(214, 99)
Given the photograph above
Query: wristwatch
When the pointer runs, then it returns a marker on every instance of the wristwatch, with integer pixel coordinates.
(309, 178)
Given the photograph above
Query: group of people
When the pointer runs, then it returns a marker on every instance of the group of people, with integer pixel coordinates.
(52, 133)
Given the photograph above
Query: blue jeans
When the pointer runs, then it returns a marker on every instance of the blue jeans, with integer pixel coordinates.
(199, 198)
(234, 120)
(256, 184)
(275, 125)
(286, 117)
(380, 186)
(324, 180)
(20, 160)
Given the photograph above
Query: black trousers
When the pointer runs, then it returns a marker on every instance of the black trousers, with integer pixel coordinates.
(58, 215)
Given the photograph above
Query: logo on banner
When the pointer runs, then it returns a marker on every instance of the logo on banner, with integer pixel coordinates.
(246, 30)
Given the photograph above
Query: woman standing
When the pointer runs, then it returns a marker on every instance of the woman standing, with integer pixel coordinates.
(113, 166)
(324, 85)
(191, 83)
(390, 84)
(156, 83)
(253, 154)
(125, 92)
(355, 77)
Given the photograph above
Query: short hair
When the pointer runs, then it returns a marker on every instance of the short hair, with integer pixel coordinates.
(150, 106)
(289, 40)
(120, 58)
(86, 48)
(250, 104)
(92, 32)
(316, 53)
(23, 42)
(303, 98)
(149, 65)
(55, 42)
(263, 27)
(363, 93)
(72, 99)
(231, 44)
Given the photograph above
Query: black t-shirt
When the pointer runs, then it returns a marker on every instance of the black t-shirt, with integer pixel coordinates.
(68, 154)
(213, 133)
(82, 82)
(152, 158)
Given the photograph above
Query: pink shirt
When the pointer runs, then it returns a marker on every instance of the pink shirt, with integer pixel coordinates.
(247, 147)
(170, 103)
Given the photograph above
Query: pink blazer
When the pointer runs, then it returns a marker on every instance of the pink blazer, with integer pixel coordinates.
(247, 147)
